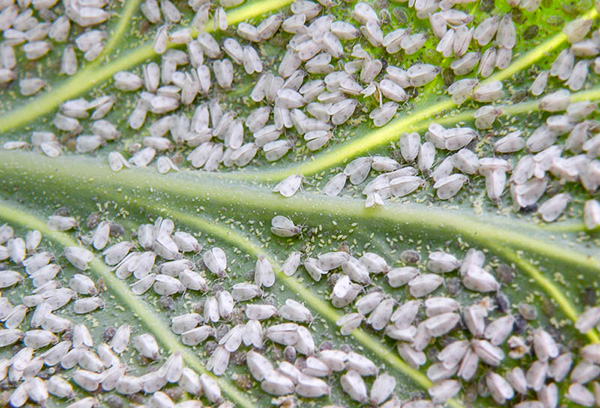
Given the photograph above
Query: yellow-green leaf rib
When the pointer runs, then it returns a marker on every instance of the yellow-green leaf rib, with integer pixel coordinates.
(89, 177)
(537, 53)
(248, 246)
(419, 119)
(93, 75)
(153, 322)
(549, 287)
(129, 187)
(121, 27)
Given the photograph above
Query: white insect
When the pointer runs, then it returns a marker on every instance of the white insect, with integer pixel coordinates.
(353, 385)
(263, 273)
(284, 227)
(295, 311)
(289, 186)
(216, 261)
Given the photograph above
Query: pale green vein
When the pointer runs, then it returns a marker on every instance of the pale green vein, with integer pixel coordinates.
(549, 287)
(565, 227)
(122, 26)
(477, 233)
(247, 245)
(128, 187)
(539, 52)
(91, 76)
(509, 110)
(493, 242)
(119, 288)
(90, 177)
(416, 120)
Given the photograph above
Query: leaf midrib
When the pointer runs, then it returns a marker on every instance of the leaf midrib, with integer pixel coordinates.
(209, 192)
(92, 177)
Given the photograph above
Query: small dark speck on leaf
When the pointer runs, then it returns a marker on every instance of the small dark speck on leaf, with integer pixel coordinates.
(505, 273)
(520, 324)
(486, 5)
(589, 296)
(108, 334)
(531, 32)
(167, 303)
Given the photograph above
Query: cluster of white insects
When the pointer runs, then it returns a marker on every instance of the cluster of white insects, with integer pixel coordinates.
(325, 79)
(456, 342)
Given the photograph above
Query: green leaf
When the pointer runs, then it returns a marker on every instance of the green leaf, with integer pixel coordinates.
(555, 265)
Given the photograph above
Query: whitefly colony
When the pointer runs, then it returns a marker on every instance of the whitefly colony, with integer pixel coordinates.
(332, 74)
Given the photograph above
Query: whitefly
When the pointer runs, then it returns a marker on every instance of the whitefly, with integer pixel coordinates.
(536, 375)
(586, 48)
(398, 277)
(263, 273)
(479, 280)
(316, 367)
(382, 115)
(578, 76)
(312, 267)
(258, 365)
(39, 338)
(588, 319)
(356, 271)
(444, 169)
(367, 303)
(441, 324)
(160, 40)
(348, 323)
(486, 30)
(344, 30)
(444, 390)
(16, 317)
(341, 289)
(410, 145)
(439, 305)
(474, 317)
(289, 186)
(260, 312)
(398, 75)
(167, 285)
(424, 284)
(380, 316)
(59, 387)
(35, 262)
(363, 13)
(9, 336)
(445, 46)
(193, 280)
(370, 69)
(295, 24)
(426, 157)
(499, 388)
(414, 358)
(127, 81)
(488, 353)
(562, 67)
(353, 385)
(539, 84)
(341, 111)
(438, 24)
(216, 261)
(413, 43)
